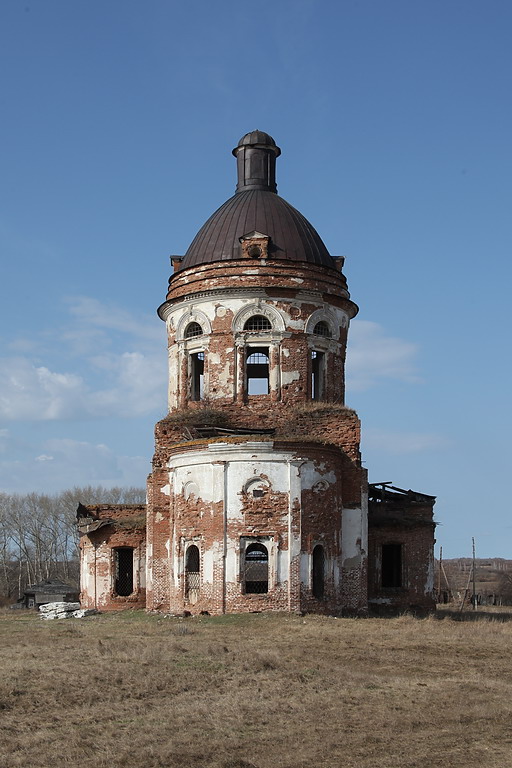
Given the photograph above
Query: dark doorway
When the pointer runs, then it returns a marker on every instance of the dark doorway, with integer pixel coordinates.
(123, 564)
(391, 565)
(256, 569)
(318, 572)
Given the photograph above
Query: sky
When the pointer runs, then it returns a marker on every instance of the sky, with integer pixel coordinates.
(395, 121)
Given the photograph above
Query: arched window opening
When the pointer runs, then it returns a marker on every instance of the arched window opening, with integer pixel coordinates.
(256, 569)
(317, 375)
(197, 376)
(392, 565)
(318, 572)
(193, 329)
(258, 323)
(192, 574)
(322, 329)
(123, 571)
(257, 371)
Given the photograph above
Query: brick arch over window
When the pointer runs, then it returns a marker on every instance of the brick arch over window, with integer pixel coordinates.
(188, 319)
(256, 486)
(323, 316)
(193, 329)
(262, 310)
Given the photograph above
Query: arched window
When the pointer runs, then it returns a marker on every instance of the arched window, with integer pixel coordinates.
(322, 329)
(123, 571)
(258, 323)
(256, 569)
(193, 329)
(256, 369)
(318, 572)
(192, 574)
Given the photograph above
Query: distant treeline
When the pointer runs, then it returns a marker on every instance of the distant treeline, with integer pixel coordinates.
(39, 538)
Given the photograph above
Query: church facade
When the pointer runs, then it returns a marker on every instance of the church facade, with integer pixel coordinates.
(258, 499)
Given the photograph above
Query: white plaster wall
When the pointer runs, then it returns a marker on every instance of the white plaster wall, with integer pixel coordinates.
(87, 570)
(103, 574)
(208, 557)
(205, 477)
(305, 569)
(351, 538)
(312, 474)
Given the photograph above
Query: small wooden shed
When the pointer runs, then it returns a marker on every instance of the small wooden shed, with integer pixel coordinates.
(49, 591)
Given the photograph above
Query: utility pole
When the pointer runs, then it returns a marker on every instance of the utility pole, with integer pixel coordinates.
(439, 574)
(474, 575)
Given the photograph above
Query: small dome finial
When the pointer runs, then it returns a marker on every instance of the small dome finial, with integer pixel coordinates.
(256, 154)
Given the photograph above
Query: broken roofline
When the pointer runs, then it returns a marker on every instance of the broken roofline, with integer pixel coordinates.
(392, 492)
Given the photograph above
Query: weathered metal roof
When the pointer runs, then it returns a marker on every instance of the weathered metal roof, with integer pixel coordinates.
(51, 587)
(291, 235)
(256, 206)
(257, 138)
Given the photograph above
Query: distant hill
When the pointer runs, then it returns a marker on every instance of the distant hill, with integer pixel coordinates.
(493, 578)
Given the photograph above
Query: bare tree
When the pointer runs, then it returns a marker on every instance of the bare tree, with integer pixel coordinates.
(38, 534)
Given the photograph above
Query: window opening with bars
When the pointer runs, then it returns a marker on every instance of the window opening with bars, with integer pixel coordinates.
(123, 566)
(257, 371)
(193, 329)
(322, 329)
(197, 376)
(258, 323)
(256, 569)
(391, 565)
(192, 574)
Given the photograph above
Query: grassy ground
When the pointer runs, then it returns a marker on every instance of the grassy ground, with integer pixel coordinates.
(133, 690)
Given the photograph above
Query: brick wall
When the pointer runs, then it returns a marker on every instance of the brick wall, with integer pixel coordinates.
(412, 528)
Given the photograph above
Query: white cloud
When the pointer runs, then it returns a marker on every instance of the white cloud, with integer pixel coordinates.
(35, 393)
(67, 463)
(372, 355)
(124, 373)
(133, 386)
(93, 314)
(400, 443)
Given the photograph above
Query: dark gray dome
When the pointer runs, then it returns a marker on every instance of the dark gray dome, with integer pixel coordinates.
(254, 138)
(292, 236)
(256, 207)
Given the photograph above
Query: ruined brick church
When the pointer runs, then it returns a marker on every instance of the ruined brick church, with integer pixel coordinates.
(257, 499)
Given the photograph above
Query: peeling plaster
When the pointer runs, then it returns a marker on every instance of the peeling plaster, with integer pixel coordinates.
(351, 527)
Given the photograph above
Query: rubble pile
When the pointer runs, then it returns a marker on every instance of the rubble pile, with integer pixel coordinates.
(65, 611)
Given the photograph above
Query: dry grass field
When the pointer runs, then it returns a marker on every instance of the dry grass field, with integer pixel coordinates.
(133, 690)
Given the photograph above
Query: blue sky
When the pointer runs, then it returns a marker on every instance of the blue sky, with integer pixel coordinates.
(394, 118)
